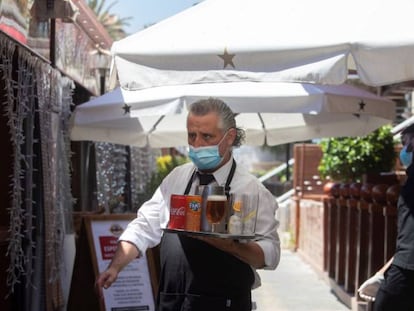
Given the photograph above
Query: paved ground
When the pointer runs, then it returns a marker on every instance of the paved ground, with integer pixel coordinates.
(294, 286)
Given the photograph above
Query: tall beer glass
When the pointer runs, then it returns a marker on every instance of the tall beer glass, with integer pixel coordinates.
(216, 206)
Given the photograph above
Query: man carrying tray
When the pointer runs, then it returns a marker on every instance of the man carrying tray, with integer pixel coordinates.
(203, 273)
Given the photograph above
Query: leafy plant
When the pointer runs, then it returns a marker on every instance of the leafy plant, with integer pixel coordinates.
(113, 23)
(165, 164)
(348, 158)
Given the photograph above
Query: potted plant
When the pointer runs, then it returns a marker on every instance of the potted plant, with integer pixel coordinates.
(350, 159)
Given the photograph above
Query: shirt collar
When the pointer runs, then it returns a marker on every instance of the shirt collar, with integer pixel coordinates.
(222, 173)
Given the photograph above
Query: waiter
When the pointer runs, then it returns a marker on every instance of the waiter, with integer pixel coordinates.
(203, 273)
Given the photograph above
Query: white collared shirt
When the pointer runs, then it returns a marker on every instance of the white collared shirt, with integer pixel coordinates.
(145, 231)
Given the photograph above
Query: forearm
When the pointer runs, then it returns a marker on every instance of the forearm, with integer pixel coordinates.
(386, 266)
(125, 253)
(251, 253)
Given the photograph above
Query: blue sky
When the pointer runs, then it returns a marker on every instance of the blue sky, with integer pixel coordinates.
(145, 12)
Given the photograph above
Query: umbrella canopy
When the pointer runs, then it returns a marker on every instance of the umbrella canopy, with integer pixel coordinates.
(268, 40)
(274, 113)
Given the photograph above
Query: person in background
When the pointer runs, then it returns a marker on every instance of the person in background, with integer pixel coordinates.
(392, 287)
(203, 273)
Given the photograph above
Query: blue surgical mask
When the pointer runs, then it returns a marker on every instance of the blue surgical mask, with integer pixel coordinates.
(206, 158)
(406, 157)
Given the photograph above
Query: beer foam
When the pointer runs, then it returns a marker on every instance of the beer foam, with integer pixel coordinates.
(216, 197)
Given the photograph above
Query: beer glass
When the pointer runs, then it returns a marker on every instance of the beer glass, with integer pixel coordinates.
(216, 206)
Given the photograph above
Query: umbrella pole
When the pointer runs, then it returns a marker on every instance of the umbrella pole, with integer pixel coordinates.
(128, 190)
(287, 162)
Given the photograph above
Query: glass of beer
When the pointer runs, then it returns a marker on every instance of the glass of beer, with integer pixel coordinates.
(216, 206)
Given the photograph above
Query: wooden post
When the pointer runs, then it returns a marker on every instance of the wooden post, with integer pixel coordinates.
(341, 207)
(390, 218)
(376, 229)
(351, 238)
(332, 228)
(362, 237)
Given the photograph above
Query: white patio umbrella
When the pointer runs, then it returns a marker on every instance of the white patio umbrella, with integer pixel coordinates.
(274, 113)
(315, 41)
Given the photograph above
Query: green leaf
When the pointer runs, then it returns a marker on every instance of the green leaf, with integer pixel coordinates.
(345, 158)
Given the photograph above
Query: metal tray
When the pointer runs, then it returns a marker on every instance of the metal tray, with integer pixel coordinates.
(214, 234)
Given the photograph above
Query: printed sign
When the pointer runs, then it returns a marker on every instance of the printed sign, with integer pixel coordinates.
(132, 291)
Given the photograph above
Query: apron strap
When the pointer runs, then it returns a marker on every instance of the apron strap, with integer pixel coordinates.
(190, 183)
(230, 178)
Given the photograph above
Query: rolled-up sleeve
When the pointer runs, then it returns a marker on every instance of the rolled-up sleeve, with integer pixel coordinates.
(145, 231)
(267, 225)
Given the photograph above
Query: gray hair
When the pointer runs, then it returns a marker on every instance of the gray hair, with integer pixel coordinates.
(226, 115)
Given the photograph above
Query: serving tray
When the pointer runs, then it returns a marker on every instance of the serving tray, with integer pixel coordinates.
(214, 234)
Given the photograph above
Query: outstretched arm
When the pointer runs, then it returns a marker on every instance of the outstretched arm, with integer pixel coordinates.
(124, 254)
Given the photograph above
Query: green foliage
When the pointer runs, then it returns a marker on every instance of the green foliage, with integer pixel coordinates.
(113, 23)
(165, 165)
(348, 159)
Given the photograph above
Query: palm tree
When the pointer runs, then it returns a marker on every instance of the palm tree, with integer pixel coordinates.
(112, 23)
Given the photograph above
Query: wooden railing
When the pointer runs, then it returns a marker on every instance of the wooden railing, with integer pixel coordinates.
(357, 231)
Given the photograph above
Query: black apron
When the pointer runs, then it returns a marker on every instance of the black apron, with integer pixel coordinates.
(196, 276)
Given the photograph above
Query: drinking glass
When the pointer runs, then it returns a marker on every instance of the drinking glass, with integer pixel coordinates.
(249, 212)
(216, 206)
(243, 219)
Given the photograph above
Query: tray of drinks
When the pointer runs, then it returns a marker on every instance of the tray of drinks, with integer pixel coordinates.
(214, 234)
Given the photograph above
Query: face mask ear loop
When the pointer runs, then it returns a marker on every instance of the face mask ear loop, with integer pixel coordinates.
(221, 140)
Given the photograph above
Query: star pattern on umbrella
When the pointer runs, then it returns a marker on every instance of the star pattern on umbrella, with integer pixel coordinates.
(227, 58)
(361, 106)
(127, 108)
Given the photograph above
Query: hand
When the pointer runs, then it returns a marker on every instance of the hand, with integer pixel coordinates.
(105, 280)
(368, 289)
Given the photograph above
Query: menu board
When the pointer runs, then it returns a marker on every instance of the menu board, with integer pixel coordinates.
(134, 288)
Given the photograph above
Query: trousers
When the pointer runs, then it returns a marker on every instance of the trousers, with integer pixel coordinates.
(397, 291)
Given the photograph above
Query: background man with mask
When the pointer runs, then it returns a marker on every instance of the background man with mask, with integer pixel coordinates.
(392, 287)
(203, 273)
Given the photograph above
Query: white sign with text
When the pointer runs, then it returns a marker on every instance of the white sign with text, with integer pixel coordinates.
(132, 291)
